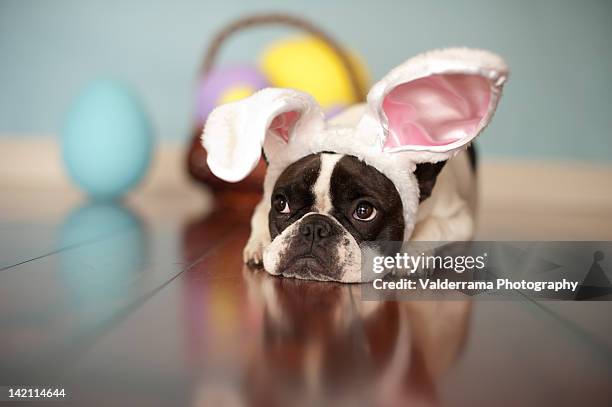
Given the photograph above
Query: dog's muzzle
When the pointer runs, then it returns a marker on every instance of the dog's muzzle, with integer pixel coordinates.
(312, 253)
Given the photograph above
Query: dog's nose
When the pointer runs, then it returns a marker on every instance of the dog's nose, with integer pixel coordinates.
(316, 227)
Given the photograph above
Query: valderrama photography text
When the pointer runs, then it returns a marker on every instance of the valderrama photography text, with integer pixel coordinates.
(485, 270)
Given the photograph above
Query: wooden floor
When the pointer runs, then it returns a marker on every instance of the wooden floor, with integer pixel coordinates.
(148, 303)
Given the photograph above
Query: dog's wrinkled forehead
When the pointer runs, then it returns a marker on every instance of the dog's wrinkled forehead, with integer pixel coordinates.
(324, 180)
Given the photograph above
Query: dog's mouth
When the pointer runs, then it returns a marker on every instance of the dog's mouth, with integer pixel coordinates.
(308, 267)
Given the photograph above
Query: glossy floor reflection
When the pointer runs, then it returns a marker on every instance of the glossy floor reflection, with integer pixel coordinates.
(122, 309)
(321, 344)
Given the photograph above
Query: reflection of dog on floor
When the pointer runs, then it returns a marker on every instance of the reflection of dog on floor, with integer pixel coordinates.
(322, 345)
(368, 174)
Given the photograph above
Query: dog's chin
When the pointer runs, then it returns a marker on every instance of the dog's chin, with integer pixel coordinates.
(306, 267)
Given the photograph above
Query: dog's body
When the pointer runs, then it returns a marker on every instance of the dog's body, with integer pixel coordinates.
(397, 168)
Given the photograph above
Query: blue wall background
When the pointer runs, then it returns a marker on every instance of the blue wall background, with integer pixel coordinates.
(557, 105)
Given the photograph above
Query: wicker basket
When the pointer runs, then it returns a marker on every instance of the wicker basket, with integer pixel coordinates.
(196, 156)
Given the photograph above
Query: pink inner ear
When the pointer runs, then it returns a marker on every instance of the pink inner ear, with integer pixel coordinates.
(283, 124)
(436, 110)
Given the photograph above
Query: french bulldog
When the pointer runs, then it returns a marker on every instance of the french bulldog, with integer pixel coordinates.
(399, 167)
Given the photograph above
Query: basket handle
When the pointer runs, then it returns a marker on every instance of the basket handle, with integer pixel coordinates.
(288, 20)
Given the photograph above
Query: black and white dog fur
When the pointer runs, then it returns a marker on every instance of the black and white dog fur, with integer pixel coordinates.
(333, 186)
(311, 229)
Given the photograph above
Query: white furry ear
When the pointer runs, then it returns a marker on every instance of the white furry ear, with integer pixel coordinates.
(235, 133)
(436, 102)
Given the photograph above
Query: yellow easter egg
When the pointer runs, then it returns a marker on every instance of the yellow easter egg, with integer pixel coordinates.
(235, 94)
(310, 65)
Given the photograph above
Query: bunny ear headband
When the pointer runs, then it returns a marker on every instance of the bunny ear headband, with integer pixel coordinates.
(425, 110)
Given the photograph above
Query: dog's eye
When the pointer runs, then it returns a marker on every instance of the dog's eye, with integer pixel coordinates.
(364, 212)
(280, 204)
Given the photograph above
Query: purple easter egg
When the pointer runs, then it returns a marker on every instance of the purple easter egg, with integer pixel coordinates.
(334, 110)
(211, 88)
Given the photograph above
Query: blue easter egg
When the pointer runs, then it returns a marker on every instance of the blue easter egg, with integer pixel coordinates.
(107, 139)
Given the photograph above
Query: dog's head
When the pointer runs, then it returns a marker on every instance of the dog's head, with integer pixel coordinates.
(333, 185)
(322, 208)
